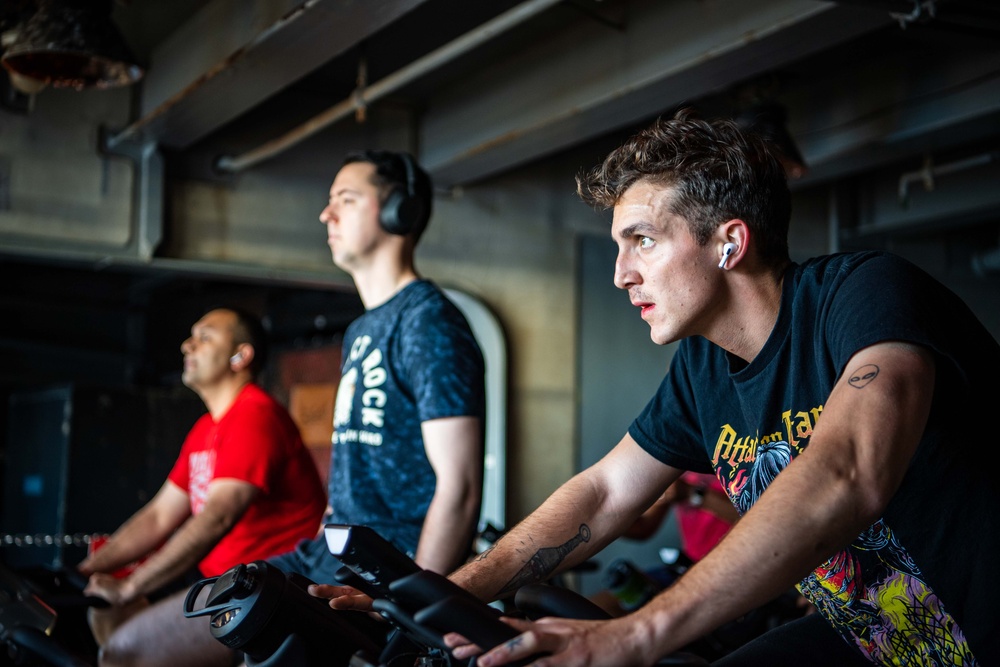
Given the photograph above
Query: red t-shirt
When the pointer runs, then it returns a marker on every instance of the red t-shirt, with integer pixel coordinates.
(700, 530)
(256, 441)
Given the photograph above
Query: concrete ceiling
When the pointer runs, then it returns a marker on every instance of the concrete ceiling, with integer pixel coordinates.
(862, 81)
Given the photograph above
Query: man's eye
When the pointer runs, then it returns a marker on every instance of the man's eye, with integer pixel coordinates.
(645, 242)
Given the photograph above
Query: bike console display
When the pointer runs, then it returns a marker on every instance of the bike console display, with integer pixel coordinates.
(375, 561)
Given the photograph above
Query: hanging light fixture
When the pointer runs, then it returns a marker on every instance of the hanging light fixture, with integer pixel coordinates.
(73, 44)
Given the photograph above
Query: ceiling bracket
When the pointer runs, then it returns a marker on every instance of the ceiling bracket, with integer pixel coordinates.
(146, 227)
(360, 106)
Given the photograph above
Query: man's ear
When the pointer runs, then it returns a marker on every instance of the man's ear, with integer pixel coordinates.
(242, 357)
(732, 241)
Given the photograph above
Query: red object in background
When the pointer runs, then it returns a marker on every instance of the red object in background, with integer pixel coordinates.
(98, 541)
(700, 530)
(307, 384)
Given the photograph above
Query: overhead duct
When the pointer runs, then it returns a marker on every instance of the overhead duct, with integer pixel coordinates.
(71, 44)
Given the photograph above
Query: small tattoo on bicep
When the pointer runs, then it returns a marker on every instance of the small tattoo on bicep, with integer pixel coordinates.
(862, 376)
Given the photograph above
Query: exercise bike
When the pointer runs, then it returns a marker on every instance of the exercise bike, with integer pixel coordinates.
(271, 617)
(38, 625)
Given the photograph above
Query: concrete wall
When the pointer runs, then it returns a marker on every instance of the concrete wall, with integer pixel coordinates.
(511, 243)
(61, 190)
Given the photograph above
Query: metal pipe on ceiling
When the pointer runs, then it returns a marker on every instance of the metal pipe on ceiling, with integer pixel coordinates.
(361, 98)
(930, 171)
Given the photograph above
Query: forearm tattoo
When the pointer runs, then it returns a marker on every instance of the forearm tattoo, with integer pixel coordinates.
(545, 561)
(485, 554)
(862, 376)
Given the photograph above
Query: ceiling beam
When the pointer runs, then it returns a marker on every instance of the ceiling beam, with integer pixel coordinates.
(233, 54)
(589, 80)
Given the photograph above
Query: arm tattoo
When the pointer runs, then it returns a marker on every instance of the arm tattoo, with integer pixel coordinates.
(545, 561)
(863, 376)
(485, 553)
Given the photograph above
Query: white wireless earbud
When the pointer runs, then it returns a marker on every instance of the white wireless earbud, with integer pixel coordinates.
(727, 250)
(236, 358)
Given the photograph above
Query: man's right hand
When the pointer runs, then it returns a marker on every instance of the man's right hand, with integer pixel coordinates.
(614, 643)
(119, 592)
(342, 597)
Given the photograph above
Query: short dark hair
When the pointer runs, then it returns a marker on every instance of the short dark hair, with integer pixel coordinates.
(390, 173)
(249, 330)
(718, 171)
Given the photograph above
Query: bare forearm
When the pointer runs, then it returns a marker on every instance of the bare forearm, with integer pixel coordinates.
(136, 538)
(446, 538)
(182, 552)
(454, 449)
(573, 524)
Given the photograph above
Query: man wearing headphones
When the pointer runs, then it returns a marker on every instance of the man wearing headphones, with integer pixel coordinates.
(408, 420)
(243, 488)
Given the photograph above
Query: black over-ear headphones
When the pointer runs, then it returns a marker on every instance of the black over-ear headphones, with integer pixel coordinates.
(403, 211)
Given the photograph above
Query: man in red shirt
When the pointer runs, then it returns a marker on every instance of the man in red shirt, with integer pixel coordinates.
(243, 488)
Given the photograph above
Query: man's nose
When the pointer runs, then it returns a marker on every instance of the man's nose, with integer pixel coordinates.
(186, 346)
(326, 216)
(625, 275)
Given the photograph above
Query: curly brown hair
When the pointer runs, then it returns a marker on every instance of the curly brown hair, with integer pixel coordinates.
(717, 170)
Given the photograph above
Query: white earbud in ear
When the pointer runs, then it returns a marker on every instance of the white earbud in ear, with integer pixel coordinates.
(727, 250)
(236, 358)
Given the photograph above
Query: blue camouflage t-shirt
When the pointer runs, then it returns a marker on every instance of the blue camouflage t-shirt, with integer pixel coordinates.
(407, 361)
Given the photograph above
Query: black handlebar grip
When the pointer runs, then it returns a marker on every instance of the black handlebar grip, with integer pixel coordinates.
(538, 600)
(73, 577)
(425, 587)
(476, 621)
(404, 620)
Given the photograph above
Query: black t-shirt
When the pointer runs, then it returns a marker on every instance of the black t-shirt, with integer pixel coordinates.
(917, 586)
(408, 361)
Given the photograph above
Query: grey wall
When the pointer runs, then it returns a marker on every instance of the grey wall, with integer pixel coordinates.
(620, 369)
